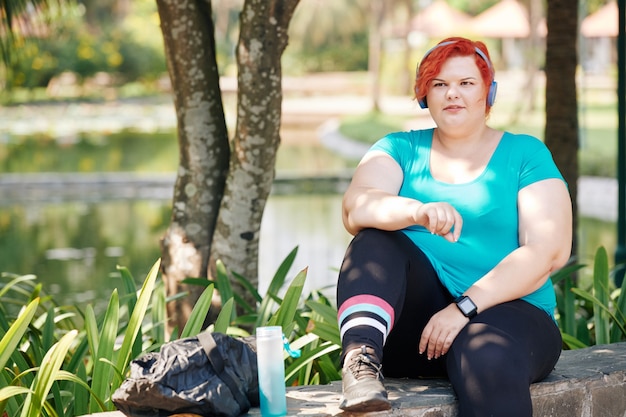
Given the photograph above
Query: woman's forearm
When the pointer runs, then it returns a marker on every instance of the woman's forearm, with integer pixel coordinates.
(520, 273)
(378, 209)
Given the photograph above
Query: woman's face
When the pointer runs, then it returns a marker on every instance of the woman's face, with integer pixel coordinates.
(457, 95)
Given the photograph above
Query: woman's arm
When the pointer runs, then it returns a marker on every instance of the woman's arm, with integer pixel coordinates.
(372, 200)
(545, 235)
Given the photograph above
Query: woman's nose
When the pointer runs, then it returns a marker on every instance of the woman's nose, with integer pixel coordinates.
(452, 92)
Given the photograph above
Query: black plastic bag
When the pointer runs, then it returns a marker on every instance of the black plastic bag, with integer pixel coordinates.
(212, 374)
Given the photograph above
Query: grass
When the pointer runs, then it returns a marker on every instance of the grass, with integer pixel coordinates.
(369, 127)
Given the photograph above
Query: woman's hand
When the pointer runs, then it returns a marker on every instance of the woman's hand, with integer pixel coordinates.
(440, 332)
(440, 219)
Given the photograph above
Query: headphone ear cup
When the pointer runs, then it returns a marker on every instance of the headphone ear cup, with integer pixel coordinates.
(491, 96)
(422, 101)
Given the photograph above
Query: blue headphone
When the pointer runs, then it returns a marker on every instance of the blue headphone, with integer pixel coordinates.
(491, 95)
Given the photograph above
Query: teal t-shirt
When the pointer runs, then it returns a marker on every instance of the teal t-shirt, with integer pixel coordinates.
(488, 205)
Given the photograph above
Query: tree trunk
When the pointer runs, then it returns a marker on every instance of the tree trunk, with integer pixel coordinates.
(262, 40)
(561, 134)
(188, 33)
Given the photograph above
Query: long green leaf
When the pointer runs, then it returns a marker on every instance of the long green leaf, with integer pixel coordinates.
(572, 342)
(91, 328)
(565, 272)
(328, 313)
(81, 390)
(159, 313)
(47, 334)
(128, 283)
(601, 307)
(569, 307)
(67, 376)
(328, 368)
(12, 391)
(102, 372)
(13, 284)
(47, 374)
(13, 336)
(265, 309)
(285, 314)
(248, 286)
(223, 319)
(303, 341)
(198, 314)
(620, 312)
(601, 293)
(222, 282)
(281, 273)
(308, 357)
(201, 282)
(136, 318)
(326, 331)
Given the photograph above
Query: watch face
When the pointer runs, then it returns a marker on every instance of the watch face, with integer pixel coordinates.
(466, 305)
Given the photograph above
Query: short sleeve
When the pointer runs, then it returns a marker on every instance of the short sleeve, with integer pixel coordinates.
(538, 163)
(405, 147)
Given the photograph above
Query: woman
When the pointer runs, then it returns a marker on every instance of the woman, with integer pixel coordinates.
(457, 230)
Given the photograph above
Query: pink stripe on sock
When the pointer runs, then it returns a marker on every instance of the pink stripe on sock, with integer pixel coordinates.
(368, 299)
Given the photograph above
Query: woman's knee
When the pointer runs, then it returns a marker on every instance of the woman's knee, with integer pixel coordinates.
(483, 353)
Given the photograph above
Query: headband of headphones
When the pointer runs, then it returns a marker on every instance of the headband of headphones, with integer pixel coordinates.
(491, 95)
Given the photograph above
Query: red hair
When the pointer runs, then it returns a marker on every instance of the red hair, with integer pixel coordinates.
(434, 59)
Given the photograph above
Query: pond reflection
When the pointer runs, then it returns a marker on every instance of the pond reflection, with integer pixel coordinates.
(74, 247)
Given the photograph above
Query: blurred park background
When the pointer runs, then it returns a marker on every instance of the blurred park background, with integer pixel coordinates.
(88, 146)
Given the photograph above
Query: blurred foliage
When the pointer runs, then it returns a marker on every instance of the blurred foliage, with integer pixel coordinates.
(329, 36)
(128, 49)
(119, 43)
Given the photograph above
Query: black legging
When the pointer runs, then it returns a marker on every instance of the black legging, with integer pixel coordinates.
(492, 361)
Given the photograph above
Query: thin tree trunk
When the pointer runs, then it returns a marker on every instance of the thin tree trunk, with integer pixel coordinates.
(188, 33)
(561, 133)
(263, 38)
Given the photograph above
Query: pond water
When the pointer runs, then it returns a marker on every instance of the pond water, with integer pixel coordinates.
(73, 245)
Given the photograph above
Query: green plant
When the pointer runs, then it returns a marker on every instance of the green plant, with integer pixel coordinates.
(595, 315)
(48, 367)
(310, 325)
(60, 361)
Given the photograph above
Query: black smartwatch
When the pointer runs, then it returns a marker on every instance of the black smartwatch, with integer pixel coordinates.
(467, 306)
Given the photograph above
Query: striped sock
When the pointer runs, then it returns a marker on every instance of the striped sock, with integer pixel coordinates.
(366, 310)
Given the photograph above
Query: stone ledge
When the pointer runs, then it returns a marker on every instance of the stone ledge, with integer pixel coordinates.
(587, 382)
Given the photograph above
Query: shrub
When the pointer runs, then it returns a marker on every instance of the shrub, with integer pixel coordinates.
(59, 360)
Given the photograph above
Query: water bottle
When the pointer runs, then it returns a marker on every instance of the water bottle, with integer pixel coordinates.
(271, 365)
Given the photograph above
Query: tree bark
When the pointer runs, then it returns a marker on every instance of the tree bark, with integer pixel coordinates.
(561, 134)
(188, 33)
(263, 38)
